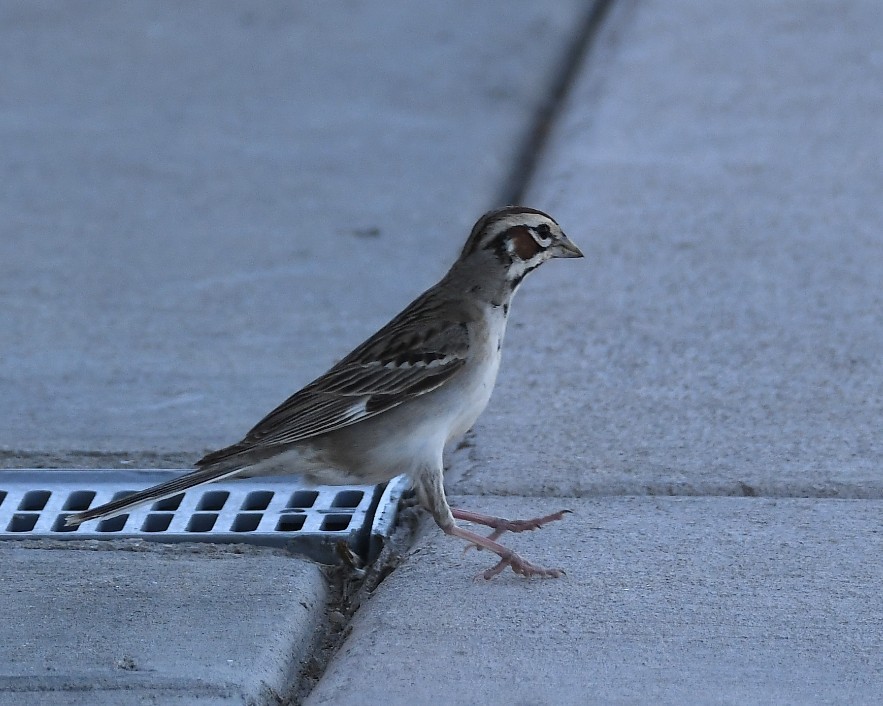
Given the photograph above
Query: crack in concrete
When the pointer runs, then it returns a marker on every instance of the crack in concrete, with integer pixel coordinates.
(349, 588)
(534, 141)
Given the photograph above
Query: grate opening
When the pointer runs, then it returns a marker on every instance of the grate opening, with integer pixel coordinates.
(168, 504)
(258, 500)
(348, 499)
(246, 522)
(60, 526)
(291, 523)
(22, 522)
(336, 523)
(113, 524)
(79, 500)
(302, 499)
(157, 522)
(202, 522)
(34, 500)
(213, 500)
(2, 496)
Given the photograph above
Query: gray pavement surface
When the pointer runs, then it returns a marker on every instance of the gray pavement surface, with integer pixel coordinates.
(666, 601)
(720, 164)
(133, 622)
(206, 204)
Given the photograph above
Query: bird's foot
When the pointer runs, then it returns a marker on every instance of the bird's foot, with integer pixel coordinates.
(500, 525)
(520, 566)
(507, 557)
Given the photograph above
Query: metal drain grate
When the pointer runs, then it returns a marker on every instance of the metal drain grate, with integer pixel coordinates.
(272, 511)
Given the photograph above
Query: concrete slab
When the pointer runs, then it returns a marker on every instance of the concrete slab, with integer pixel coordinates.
(720, 164)
(666, 601)
(205, 204)
(133, 622)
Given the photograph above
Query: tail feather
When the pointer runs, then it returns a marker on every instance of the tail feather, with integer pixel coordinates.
(227, 455)
(153, 494)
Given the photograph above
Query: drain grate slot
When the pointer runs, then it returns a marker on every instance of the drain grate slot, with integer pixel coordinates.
(246, 522)
(202, 522)
(273, 511)
(302, 499)
(157, 522)
(169, 504)
(335, 523)
(291, 523)
(79, 500)
(258, 500)
(34, 500)
(212, 500)
(113, 524)
(23, 522)
(60, 526)
(348, 498)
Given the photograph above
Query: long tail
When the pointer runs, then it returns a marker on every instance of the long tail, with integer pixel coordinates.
(153, 494)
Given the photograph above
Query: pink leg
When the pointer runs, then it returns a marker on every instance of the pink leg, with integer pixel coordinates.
(507, 556)
(431, 494)
(501, 525)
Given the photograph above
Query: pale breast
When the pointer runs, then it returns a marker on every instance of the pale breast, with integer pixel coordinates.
(480, 379)
(412, 436)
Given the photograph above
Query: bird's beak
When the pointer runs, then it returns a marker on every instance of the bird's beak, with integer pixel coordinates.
(565, 248)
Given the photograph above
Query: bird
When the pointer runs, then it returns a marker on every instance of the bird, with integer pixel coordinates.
(396, 401)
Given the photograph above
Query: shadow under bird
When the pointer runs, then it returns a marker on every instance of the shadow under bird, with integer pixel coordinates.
(393, 404)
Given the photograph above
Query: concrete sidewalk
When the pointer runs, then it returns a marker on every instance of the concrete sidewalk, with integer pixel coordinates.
(721, 165)
(666, 601)
(208, 204)
(205, 204)
(135, 622)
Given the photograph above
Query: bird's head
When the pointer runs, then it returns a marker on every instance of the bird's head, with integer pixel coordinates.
(520, 239)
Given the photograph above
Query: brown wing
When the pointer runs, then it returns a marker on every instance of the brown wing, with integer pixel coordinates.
(415, 353)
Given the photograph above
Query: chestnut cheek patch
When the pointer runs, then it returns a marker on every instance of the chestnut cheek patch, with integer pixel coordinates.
(523, 243)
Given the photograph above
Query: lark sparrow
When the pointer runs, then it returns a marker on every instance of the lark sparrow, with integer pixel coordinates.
(392, 405)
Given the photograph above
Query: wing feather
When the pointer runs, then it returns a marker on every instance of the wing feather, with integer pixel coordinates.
(415, 353)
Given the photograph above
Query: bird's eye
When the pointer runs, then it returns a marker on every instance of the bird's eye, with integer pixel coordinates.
(544, 231)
